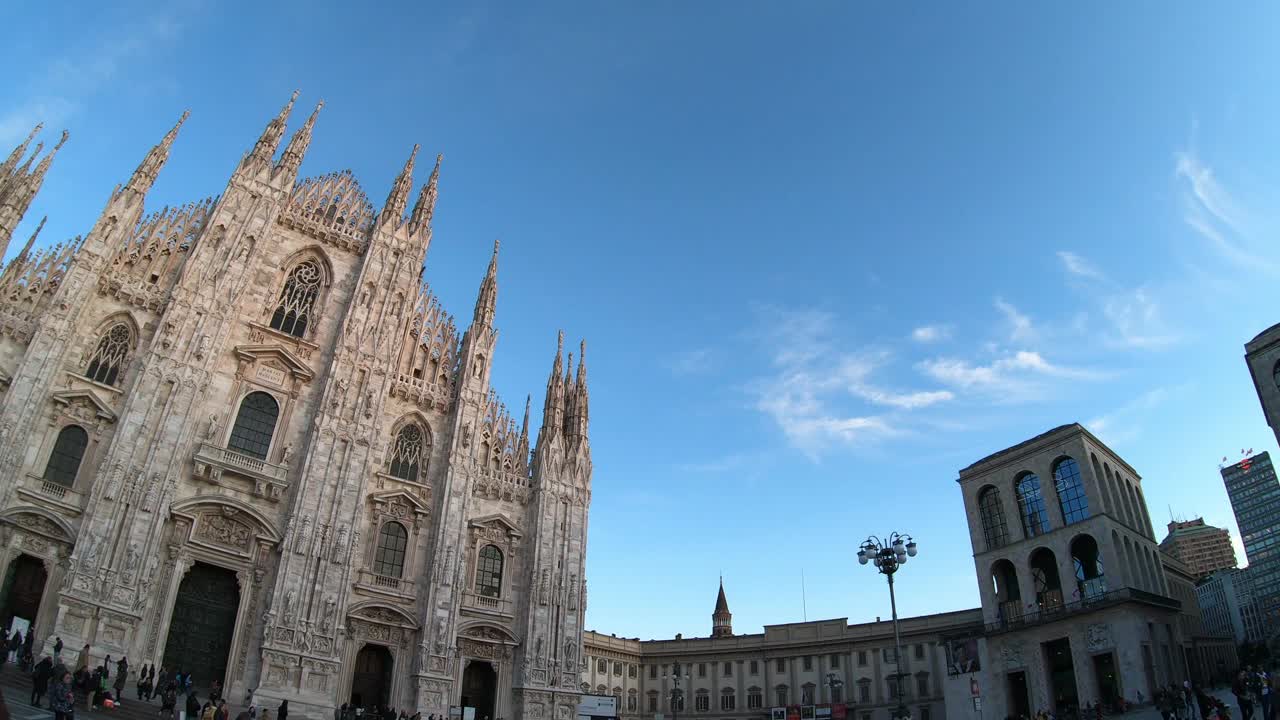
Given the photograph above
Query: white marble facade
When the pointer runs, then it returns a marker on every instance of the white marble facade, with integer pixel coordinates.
(252, 408)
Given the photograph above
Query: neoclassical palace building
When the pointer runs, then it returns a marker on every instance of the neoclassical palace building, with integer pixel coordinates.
(240, 437)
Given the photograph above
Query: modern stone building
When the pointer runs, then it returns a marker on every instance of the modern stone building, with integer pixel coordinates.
(837, 669)
(241, 437)
(1204, 549)
(1076, 605)
(1230, 607)
(1209, 653)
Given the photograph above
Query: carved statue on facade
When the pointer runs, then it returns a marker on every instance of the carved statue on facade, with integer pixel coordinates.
(287, 456)
(290, 617)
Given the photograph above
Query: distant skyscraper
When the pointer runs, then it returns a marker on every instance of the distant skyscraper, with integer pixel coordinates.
(1255, 499)
(1203, 548)
(1229, 606)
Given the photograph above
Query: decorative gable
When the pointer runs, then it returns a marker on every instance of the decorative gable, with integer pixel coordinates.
(271, 365)
(83, 405)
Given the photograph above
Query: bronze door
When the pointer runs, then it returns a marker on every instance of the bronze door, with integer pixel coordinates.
(204, 619)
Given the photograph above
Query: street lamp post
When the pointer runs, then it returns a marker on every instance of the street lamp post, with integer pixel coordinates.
(833, 684)
(676, 692)
(888, 555)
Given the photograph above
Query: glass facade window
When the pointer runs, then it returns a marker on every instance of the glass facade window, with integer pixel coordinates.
(392, 541)
(1035, 519)
(68, 453)
(489, 572)
(1066, 478)
(994, 530)
(255, 424)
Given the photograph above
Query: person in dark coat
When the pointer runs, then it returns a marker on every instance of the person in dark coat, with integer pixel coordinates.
(193, 706)
(62, 698)
(283, 712)
(40, 678)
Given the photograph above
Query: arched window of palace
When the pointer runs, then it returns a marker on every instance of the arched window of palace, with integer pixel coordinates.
(408, 455)
(1091, 581)
(255, 425)
(1066, 478)
(68, 452)
(106, 364)
(392, 541)
(489, 572)
(1035, 519)
(994, 530)
(296, 307)
(1044, 576)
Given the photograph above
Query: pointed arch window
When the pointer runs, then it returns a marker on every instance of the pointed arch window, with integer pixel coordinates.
(68, 453)
(392, 541)
(1066, 478)
(106, 364)
(408, 455)
(255, 424)
(1035, 519)
(489, 572)
(296, 306)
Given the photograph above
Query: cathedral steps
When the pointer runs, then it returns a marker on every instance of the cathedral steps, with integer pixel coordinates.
(16, 687)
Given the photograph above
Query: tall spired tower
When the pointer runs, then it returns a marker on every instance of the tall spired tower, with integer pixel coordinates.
(721, 619)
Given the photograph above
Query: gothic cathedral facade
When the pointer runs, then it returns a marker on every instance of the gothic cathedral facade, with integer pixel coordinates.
(241, 438)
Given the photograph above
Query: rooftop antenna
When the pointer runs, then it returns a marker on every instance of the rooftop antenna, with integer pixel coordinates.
(804, 603)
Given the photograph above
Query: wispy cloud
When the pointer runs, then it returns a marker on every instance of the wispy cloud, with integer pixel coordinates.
(1077, 265)
(1017, 377)
(1124, 423)
(820, 394)
(931, 333)
(61, 86)
(1020, 327)
(1136, 320)
(1233, 231)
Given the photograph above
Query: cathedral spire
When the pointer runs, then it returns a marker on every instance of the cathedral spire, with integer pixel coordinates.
(721, 619)
(487, 300)
(11, 163)
(524, 425)
(265, 149)
(398, 198)
(145, 176)
(425, 207)
(553, 405)
(291, 159)
(576, 420)
(20, 190)
(31, 241)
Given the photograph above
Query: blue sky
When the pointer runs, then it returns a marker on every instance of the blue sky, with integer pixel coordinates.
(824, 254)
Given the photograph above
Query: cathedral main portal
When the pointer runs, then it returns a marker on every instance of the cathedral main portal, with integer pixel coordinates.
(371, 682)
(479, 688)
(204, 619)
(23, 589)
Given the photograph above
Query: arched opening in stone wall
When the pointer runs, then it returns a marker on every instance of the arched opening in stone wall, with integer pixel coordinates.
(1048, 586)
(371, 680)
(480, 688)
(202, 625)
(24, 582)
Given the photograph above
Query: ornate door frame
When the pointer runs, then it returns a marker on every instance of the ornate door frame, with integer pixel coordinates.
(492, 644)
(225, 533)
(36, 532)
(377, 623)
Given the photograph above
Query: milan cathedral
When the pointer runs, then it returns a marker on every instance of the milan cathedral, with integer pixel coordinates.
(241, 438)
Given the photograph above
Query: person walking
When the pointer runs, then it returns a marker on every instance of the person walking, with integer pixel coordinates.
(57, 650)
(193, 707)
(121, 676)
(168, 701)
(40, 678)
(62, 698)
(283, 712)
(82, 660)
(15, 642)
(1240, 688)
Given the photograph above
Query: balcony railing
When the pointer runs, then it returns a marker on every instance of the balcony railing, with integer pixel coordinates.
(1011, 618)
(53, 489)
(269, 480)
(385, 583)
(484, 603)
